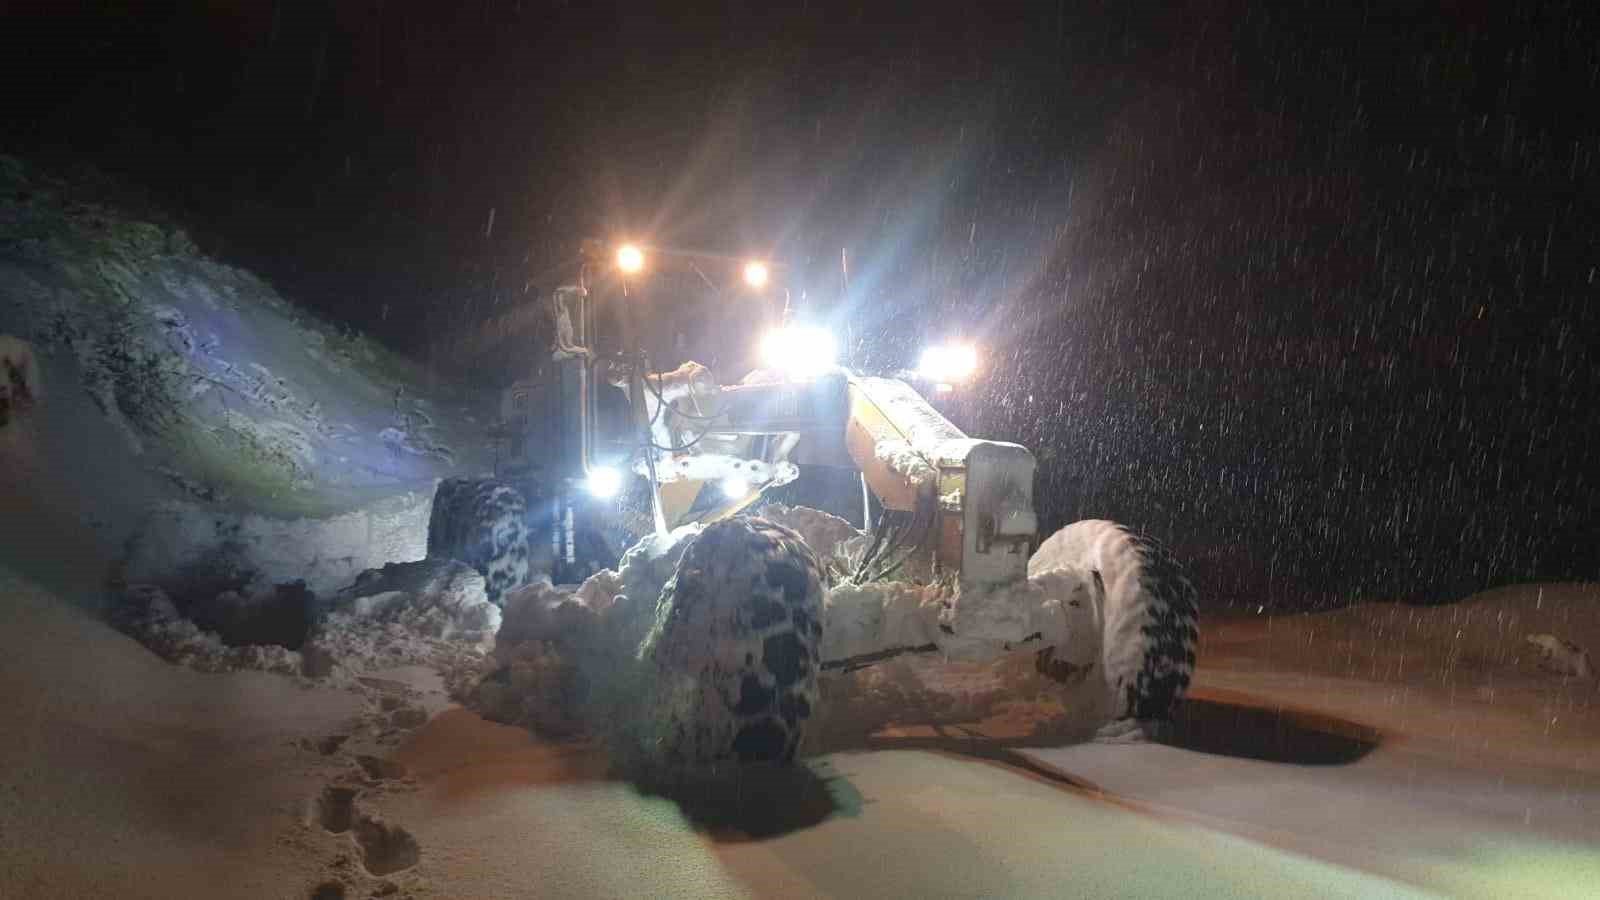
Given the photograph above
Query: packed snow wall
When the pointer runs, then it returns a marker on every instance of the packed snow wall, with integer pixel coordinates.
(182, 545)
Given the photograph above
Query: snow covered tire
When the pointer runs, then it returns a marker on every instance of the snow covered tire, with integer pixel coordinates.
(1150, 611)
(482, 523)
(735, 647)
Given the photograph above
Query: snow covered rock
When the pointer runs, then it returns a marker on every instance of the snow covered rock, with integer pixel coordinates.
(599, 591)
(540, 685)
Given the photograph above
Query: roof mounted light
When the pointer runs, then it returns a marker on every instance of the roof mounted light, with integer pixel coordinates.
(799, 351)
(949, 363)
(630, 259)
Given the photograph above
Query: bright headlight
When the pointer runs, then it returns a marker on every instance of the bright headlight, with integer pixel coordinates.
(630, 259)
(755, 274)
(799, 350)
(949, 363)
(735, 488)
(604, 482)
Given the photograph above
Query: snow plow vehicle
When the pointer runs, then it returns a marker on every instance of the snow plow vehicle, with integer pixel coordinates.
(922, 540)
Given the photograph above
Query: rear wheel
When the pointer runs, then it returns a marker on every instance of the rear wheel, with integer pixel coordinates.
(483, 523)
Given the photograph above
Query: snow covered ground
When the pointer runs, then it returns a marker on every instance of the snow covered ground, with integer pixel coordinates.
(1315, 758)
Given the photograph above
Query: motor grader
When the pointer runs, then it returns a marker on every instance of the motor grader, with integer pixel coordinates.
(746, 613)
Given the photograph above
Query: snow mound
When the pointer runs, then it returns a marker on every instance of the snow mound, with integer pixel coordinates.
(436, 598)
(869, 618)
(892, 652)
(565, 657)
(835, 541)
(148, 615)
(1560, 656)
(899, 653)
(534, 677)
(542, 612)
(644, 572)
(431, 613)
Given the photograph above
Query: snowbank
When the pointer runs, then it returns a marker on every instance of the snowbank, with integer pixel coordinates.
(184, 545)
(431, 613)
(436, 598)
(564, 659)
(124, 776)
(933, 654)
(194, 409)
(1461, 677)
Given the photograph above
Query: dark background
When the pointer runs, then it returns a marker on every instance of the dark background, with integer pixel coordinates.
(1306, 290)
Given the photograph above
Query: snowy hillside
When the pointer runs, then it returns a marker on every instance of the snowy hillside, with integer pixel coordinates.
(190, 408)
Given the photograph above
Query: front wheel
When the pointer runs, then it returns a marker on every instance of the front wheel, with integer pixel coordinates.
(735, 648)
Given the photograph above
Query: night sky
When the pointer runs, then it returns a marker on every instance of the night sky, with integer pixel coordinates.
(1306, 290)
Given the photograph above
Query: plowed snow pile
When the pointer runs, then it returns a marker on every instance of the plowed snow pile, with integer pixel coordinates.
(567, 656)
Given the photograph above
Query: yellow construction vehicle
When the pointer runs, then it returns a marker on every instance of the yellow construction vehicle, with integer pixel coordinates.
(734, 618)
(609, 413)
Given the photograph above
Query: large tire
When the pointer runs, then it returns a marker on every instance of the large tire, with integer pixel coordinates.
(734, 650)
(1150, 611)
(483, 523)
